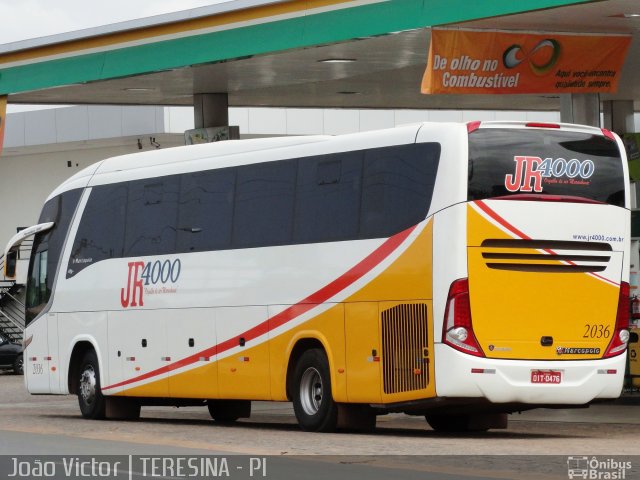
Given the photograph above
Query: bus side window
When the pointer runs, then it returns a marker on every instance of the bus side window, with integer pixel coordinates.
(205, 213)
(152, 212)
(328, 198)
(264, 204)
(329, 172)
(397, 187)
(100, 235)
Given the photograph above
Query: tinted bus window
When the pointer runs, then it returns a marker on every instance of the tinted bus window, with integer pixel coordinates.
(264, 204)
(152, 212)
(205, 213)
(397, 187)
(328, 198)
(515, 161)
(306, 200)
(100, 235)
(47, 249)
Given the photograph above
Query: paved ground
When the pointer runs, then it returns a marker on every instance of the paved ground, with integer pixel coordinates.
(52, 425)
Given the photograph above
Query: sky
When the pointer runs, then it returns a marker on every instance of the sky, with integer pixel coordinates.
(23, 19)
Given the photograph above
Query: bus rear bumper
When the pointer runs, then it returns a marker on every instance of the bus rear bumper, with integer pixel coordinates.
(510, 381)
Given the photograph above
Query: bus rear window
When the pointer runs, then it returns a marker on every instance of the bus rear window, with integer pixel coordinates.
(504, 162)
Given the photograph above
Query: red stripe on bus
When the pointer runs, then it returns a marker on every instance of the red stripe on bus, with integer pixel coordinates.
(325, 293)
(501, 220)
(603, 279)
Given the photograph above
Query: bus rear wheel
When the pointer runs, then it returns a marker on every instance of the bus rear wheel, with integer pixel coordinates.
(228, 411)
(312, 399)
(92, 402)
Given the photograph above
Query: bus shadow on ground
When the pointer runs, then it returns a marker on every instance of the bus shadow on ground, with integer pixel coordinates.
(380, 431)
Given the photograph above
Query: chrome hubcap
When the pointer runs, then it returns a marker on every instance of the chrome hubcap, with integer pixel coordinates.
(88, 385)
(311, 391)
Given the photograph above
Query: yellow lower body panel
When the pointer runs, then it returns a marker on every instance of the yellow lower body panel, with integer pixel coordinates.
(379, 344)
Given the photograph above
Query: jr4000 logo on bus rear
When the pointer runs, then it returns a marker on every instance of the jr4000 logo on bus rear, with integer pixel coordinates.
(149, 278)
(531, 172)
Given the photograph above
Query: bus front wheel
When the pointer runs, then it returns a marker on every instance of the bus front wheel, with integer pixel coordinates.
(312, 399)
(90, 398)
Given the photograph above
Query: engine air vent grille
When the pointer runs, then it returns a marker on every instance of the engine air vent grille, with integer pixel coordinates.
(405, 348)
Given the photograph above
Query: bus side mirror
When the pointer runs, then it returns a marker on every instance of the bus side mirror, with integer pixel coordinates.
(10, 264)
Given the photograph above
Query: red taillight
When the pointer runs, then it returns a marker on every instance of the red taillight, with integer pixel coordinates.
(473, 126)
(458, 328)
(608, 134)
(620, 337)
(542, 125)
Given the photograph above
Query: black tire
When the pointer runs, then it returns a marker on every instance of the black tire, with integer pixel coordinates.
(312, 398)
(229, 411)
(18, 365)
(90, 398)
(453, 423)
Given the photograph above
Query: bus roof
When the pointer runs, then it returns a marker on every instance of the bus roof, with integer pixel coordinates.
(241, 152)
(228, 153)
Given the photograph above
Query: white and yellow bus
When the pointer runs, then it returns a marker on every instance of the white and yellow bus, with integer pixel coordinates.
(455, 271)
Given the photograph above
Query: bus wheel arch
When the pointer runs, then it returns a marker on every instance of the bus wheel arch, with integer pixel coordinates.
(300, 345)
(80, 349)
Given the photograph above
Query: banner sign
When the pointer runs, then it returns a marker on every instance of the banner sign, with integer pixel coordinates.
(463, 61)
(3, 118)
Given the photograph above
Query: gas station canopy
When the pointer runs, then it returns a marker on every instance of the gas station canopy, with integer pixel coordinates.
(316, 53)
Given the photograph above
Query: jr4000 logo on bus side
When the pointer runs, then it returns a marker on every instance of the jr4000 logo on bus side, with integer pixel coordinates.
(530, 172)
(143, 275)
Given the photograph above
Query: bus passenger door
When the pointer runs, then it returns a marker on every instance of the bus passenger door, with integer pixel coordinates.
(192, 337)
(363, 352)
(243, 365)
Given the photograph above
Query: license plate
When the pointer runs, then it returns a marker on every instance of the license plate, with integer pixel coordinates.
(545, 376)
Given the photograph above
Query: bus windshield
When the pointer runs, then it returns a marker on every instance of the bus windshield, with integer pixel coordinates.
(508, 161)
(47, 248)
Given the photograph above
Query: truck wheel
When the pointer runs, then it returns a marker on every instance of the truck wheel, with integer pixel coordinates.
(312, 399)
(90, 398)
